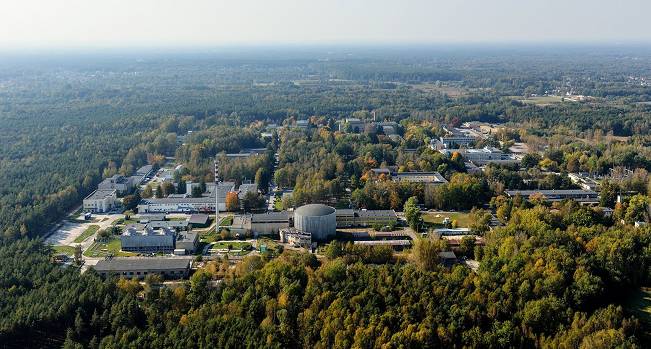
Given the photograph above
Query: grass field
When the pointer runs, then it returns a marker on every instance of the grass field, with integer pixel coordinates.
(103, 249)
(540, 100)
(68, 250)
(640, 304)
(226, 221)
(235, 245)
(92, 229)
(436, 218)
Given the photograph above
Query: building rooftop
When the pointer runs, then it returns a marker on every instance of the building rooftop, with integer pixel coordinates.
(313, 210)
(428, 177)
(384, 242)
(101, 194)
(447, 255)
(168, 200)
(132, 263)
(144, 170)
(198, 219)
(270, 216)
(151, 217)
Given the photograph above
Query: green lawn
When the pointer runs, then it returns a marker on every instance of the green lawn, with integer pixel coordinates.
(226, 221)
(92, 229)
(122, 221)
(103, 249)
(68, 250)
(463, 219)
(210, 236)
(236, 245)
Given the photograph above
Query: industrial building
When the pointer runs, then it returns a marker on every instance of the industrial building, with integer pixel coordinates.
(139, 268)
(296, 238)
(581, 196)
(452, 231)
(186, 204)
(454, 138)
(483, 156)
(100, 201)
(429, 178)
(316, 219)
(269, 223)
(181, 205)
(186, 243)
(347, 218)
(584, 181)
(148, 240)
(119, 183)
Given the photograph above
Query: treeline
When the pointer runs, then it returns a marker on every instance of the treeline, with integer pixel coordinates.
(544, 280)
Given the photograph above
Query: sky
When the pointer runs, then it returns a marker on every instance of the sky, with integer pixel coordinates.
(129, 23)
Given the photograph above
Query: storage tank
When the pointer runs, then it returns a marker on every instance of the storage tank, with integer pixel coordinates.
(316, 219)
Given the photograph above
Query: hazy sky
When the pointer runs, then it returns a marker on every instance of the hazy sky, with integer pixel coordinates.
(204, 22)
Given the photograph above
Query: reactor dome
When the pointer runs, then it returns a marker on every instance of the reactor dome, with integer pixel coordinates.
(318, 220)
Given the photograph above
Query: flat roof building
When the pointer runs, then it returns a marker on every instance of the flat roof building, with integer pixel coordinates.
(100, 201)
(169, 268)
(187, 241)
(364, 218)
(148, 240)
(430, 178)
(483, 156)
(581, 196)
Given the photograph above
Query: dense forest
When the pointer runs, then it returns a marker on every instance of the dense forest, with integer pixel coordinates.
(552, 276)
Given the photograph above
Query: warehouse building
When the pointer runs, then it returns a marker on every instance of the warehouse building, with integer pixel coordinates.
(100, 201)
(139, 268)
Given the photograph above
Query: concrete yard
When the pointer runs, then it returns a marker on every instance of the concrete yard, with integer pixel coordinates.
(71, 228)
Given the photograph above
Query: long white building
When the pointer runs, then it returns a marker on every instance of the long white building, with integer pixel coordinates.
(483, 156)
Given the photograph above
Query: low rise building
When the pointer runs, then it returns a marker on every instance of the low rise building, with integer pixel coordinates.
(199, 220)
(246, 188)
(483, 156)
(347, 218)
(296, 238)
(584, 181)
(452, 231)
(148, 240)
(395, 244)
(269, 223)
(139, 268)
(353, 125)
(100, 201)
(581, 196)
(187, 241)
(119, 183)
(429, 178)
(456, 137)
(179, 205)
